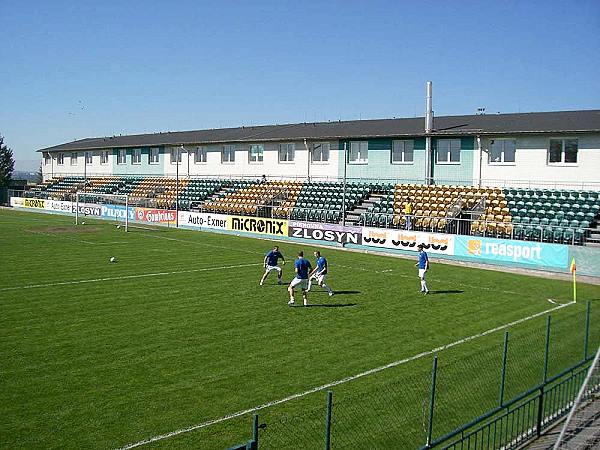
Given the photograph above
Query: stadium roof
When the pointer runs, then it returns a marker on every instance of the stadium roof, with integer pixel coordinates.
(488, 124)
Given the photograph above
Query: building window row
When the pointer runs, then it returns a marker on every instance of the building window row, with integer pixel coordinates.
(500, 151)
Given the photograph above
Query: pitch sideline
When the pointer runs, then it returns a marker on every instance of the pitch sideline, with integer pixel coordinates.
(126, 277)
(341, 381)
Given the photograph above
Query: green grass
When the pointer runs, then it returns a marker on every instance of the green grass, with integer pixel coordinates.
(106, 363)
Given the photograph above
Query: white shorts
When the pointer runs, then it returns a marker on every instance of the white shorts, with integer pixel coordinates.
(320, 278)
(271, 268)
(298, 281)
(422, 273)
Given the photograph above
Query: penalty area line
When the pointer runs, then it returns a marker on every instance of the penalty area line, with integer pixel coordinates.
(125, 277)
(341, 381)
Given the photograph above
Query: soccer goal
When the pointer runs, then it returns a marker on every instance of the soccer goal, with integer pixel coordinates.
(582, 427)
(113, 206)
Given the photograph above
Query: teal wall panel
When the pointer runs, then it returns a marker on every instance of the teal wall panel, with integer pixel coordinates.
(461, 173)
(380, 166)
(144, 168)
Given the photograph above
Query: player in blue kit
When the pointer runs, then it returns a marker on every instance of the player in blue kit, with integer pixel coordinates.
(319, 273)
(423, 266)
(302, 268)
(271, 263)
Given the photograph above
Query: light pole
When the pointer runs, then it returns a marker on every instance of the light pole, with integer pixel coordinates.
(344, 192)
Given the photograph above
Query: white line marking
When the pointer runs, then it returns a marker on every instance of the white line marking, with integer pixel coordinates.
(125, 277)
(341, 381)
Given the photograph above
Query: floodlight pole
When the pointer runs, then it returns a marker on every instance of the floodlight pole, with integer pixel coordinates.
(344, 191)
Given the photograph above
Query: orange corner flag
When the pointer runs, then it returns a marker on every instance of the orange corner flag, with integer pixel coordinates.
(573, 266)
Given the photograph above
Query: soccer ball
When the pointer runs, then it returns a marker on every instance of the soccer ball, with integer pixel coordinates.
(113, 259)
(118, 226)
(82, 223)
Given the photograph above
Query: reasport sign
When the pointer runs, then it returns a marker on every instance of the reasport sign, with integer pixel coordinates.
(258, 225)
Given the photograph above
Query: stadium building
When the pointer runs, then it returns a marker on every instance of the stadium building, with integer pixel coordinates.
(543, 149)
(470, 187)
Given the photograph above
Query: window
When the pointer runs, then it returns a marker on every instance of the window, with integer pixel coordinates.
(563, 151)
(104, 157)
(88, 157)
(402, 152)
(60, 159)
(176, 155)
(502, 151)
(73, 159)
(448, 151)
(47, 159)
(153, 156)
(122, 156)
(200, 155)
(136, 156)
(287, 152)
(320, 152)
(228, 154)
(256, 153)
(359, 152)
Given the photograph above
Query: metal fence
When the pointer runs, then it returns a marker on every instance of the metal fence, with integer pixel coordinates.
(468, 397)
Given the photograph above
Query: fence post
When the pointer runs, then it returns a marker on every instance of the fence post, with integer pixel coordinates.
(431, 401)
(255, 431)
(547, 348)
(540, 411)
(503, 377)
(587, 330)
(328, 420)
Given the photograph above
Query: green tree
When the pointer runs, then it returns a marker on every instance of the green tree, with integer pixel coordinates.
(7, 163)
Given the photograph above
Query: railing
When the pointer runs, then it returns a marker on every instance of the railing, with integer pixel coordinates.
(488, 182)
(526, 416)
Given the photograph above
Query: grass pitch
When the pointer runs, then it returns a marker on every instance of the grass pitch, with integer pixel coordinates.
(178, 333)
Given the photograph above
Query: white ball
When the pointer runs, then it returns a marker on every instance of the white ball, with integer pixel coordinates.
(82, 223)
(118, 226)
(113, 259)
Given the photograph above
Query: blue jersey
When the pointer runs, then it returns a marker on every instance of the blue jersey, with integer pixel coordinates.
(303, 266)
(273, 256)
(423, 260)
(322, 266)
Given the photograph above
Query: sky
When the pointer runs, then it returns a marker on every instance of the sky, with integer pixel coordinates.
(76, 69)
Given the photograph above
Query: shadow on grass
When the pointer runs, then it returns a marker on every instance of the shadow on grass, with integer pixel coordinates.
(330, 305)
(452, 291)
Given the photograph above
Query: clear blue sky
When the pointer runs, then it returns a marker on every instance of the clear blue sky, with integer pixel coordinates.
(75, 69)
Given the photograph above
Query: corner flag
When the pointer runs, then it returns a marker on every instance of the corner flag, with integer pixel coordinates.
(573, 271)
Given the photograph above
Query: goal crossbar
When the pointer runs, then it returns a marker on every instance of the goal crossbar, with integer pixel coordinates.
(122, 197)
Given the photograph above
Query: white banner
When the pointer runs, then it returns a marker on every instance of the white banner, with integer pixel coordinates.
(16, 202)
(203, 220)
(408, 240)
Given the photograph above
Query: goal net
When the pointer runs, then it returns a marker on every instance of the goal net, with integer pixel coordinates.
(581, 430)
(114, 207)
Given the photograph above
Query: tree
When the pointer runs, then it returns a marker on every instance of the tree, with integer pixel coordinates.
(7, 163)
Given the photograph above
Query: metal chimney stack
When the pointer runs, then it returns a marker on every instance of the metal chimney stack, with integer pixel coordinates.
(429, 109)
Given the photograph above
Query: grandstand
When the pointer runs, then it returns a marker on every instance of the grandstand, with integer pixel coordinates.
(545, 215)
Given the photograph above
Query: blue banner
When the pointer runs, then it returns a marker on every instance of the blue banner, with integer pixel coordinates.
(535, 254)
(117, 212)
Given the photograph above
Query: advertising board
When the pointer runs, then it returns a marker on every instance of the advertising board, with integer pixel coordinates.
(408, 240)
(327, 232)
(203, 220)
(538, 254)
(258, 225)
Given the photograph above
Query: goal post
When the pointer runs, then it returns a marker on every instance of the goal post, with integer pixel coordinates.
(119, 203)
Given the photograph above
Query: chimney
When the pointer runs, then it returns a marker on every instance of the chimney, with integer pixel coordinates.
(429, 109)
